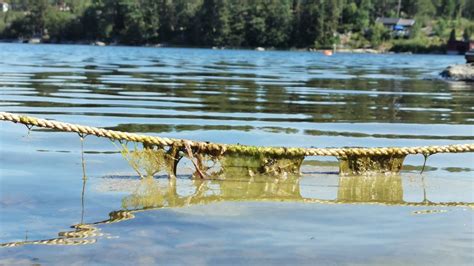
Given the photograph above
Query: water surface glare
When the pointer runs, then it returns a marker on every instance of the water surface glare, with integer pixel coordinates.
(272, 98)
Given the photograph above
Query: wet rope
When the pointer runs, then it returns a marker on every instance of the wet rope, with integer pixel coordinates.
(220, 149)
(84, 234)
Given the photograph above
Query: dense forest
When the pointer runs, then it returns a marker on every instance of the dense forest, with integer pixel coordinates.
(238, 23)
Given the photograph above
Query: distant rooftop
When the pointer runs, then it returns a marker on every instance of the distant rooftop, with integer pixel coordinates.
(396, 21)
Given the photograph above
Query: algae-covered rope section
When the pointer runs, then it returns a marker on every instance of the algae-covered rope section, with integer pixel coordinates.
(220, 149)
(269, 160)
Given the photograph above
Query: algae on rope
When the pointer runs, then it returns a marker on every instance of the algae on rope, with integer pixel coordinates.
(370, 164)
(353, 160)
(236, 165)
(149, 160)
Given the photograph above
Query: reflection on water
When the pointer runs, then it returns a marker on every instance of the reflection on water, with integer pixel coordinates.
(162, 193)
(158, 193)
(233, 90)
(370, 188)
(256, 98)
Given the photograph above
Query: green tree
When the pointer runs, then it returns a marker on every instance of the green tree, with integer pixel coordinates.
(131, 28)
(151, 20)
(332, 10)
(424, 8)
(99, 20)
(363, 15)
(19, 4)
(185, 30)
(296, 21)
(213, 23)
(255, 26)
(452, 35)
(167, 19)
(448, 8)
(78, 6)
(415, 31)
(440, 28)
(378, 34)
(19, 28)
(38, 11)
(466, 36)
(349, 15)
(460, 6)
(310, 27)
(56, 23)
(237, 23)
(277, 15)
(278, 23)
(385, 8)
(469, 10)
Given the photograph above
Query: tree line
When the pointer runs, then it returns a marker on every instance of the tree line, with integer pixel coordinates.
(230, 23)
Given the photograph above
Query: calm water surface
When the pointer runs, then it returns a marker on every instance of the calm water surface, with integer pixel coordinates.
(259, 98)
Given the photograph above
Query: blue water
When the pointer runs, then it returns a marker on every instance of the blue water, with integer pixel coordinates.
(233, 96)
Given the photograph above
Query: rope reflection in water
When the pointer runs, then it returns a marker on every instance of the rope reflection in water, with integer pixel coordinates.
(231, 179)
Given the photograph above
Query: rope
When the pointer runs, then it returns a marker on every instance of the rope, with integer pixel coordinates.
(219, 149)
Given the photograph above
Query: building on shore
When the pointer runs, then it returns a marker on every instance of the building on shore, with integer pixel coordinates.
(400, 27)
(4, 7)
(455, 47)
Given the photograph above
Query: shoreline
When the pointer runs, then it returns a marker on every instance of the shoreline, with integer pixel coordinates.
(261, 49)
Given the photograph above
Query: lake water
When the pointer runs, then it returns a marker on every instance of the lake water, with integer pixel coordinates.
(267, 98)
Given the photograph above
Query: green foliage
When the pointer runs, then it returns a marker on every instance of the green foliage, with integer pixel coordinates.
(177, 21)
(213, 23)
(452, 35)
(234, 23)
(57, 23)
(424, 8)
(469, 10)
(363, 15)
(415, 31)
(277, 22)
(308, 29)
(237, 24)
(419, 45)
(240, 165)
(39, 10)
(255, 26)
(19, 28)
(147, 162)
(378, 34)
(7, 18)
(449, 8)
(349, 15)
(440, 28)
(268, 23)
(466, 34)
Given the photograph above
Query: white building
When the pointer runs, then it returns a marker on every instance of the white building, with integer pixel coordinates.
(4, 6)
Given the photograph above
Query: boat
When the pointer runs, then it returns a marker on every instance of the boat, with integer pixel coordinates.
(469, 56)
(327, 52)
(34, 40)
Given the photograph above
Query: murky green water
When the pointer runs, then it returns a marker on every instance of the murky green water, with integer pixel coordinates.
(248, 97)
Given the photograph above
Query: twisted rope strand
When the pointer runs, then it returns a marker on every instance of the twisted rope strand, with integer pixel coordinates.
(216, 148)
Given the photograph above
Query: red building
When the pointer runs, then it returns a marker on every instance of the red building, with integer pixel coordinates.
(459, 47)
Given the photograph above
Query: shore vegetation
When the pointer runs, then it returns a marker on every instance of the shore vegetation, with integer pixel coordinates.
(280, 24)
